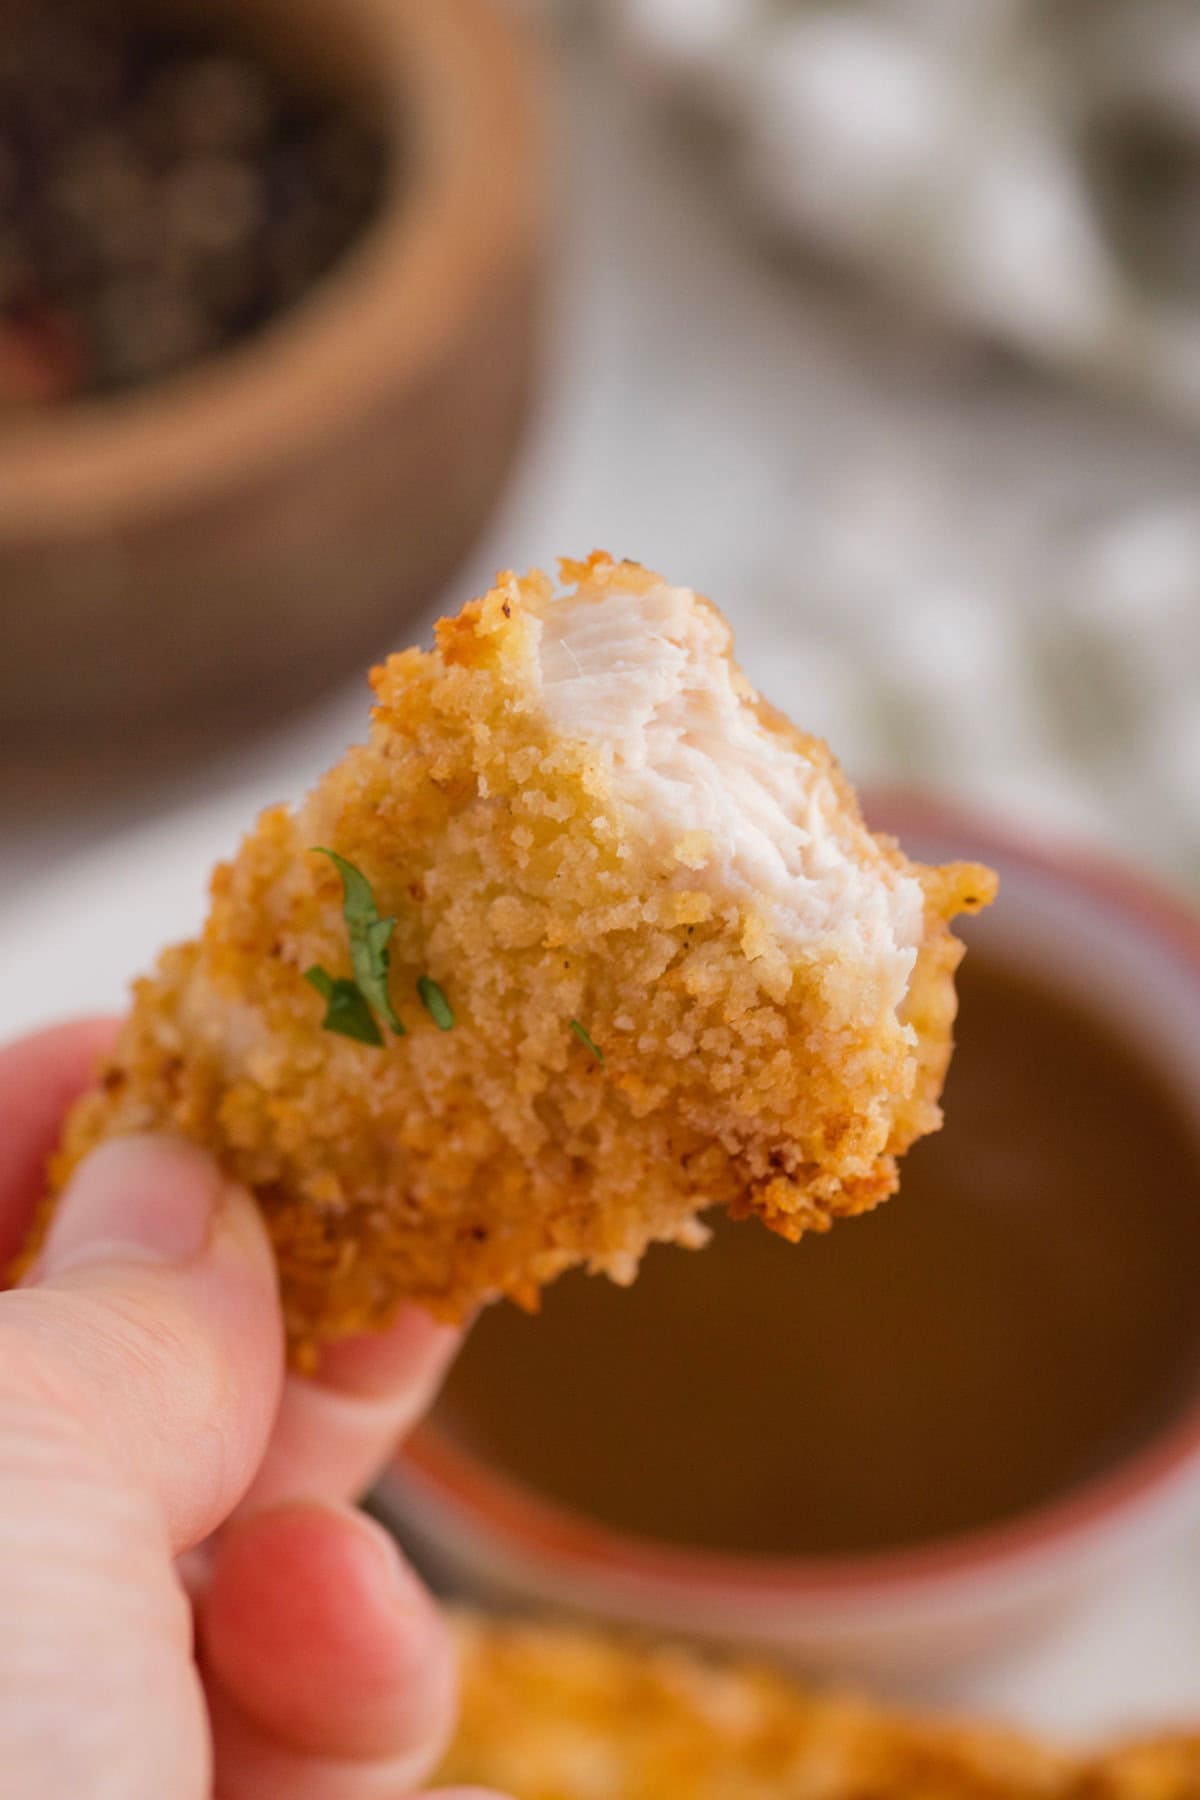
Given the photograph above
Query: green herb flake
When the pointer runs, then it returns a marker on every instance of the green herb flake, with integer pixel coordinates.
(434, 1000)
(369, 938)
(585, 1038)
(346, 1012)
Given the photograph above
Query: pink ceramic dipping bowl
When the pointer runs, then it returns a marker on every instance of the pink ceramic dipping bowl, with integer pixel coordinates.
(1090, 927)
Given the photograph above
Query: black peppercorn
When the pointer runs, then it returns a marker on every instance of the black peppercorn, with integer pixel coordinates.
(163, 194)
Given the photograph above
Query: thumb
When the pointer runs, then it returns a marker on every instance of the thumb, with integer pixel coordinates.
(150, 1333)
(139, 1373)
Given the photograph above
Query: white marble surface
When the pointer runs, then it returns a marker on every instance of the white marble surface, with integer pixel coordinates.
(877, 516)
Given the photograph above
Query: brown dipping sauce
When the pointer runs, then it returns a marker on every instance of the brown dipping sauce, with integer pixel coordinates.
(1023, 1314)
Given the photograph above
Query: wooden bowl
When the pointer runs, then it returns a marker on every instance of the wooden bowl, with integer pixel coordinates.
(233, 539)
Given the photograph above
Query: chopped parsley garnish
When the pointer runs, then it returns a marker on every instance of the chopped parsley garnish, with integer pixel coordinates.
(584, 1038)
(346, 1012)
(369, 936)
(434, 1000)
(353, 1004)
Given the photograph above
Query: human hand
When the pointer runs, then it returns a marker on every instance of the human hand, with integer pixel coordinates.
(143, 1406)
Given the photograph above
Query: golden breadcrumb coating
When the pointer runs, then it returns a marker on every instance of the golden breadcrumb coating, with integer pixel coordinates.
(550, 1713)
(1166, 1770)
(554, 1714)
(743, 1060)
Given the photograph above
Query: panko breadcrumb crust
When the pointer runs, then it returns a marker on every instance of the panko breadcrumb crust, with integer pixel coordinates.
(450, 1167)
(551, 1713)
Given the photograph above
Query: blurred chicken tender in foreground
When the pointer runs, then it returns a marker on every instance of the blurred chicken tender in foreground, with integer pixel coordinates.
(646, 956)
(554, 1714)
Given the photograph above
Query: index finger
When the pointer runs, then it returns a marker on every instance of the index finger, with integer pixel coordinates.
(40, 1076)
(338, 1427)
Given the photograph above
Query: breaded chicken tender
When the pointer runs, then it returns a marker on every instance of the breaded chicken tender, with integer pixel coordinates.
(557, 1714)
(1168, 1769)
(618, 943)
(550, 1713)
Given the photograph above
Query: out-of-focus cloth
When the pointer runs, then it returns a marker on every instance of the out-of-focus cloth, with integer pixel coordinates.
(1060, 687)
(1016, 175)
(1029, 171)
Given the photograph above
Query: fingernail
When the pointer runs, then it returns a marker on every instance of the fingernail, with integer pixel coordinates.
(410, 1356)
(383, 1553)
(135, 1199)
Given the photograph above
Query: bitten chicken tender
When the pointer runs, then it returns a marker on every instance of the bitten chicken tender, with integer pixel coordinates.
(550, 1713)
(670, 969)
